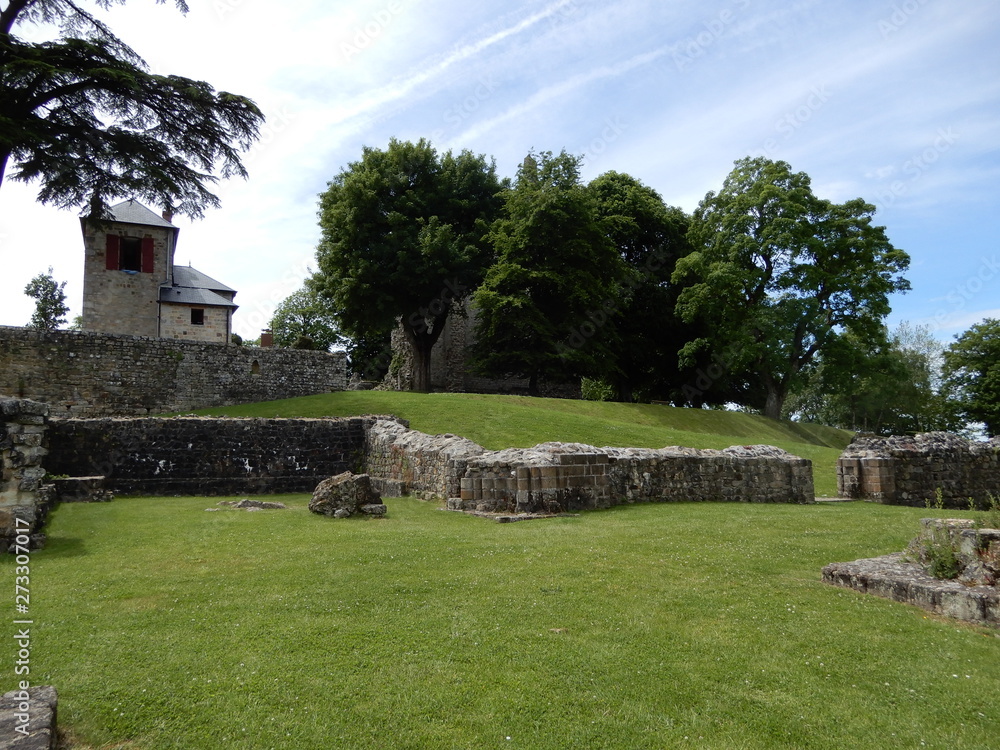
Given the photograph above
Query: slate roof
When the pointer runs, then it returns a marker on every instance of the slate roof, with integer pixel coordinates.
(188, 296)
(133, 212)
(192, 277)
(192, 287)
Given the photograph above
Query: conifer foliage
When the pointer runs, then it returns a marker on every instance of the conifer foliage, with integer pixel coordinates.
(83, 115)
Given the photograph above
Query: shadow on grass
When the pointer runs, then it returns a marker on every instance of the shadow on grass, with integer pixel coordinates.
(64, 547)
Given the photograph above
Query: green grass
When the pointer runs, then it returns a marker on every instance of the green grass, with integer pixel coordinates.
(498, 422)
(654, 626)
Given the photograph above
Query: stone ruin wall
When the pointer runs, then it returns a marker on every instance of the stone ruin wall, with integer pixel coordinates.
(556, 477)
(913, 470)
(207, 456)
(450, 371)
(85, 374)
(403, 461)
(210, 456)
(23, 427)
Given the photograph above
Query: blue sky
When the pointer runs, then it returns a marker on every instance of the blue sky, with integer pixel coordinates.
(895, 102)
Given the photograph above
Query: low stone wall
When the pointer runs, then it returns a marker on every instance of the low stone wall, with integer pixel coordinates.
(205, 456)
(403, 461)
(23, 501)
(971, 556)
(559, 477)
(85, 374)
(917, 470)
(208, 456)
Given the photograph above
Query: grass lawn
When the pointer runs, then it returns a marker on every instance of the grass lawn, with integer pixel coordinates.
(498, 422)
(653, 626)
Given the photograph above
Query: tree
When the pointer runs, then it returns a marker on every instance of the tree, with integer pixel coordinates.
(84, 116)
(403, 239)
(650, 237)
(890, 385)
(543, 307)
(50, 302)
(972, 365)
(776, 272)
(305, 317)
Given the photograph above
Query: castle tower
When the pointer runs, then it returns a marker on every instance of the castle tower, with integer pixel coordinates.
(127, 260)
(132, 287)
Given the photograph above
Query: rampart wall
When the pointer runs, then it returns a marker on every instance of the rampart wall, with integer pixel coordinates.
(919, 470)
(85, 374)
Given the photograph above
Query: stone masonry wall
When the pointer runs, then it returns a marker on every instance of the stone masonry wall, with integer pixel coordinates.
(915, 470)
(402, 461)
(450, 370)
(554, 477)
(82, 374)
(22, 451)
(204, 456)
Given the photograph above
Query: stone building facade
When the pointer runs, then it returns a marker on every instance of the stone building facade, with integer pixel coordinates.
(132, 287)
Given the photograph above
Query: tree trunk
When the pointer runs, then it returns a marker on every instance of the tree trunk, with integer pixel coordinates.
(421, 365)
(422, 339)
(624, 391)
(776, 394)
(533, 384)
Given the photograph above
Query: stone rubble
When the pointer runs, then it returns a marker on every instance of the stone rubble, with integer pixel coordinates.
(346, 495)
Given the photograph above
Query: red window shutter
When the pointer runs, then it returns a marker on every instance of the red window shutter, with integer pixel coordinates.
(147, 254)
(112, 252)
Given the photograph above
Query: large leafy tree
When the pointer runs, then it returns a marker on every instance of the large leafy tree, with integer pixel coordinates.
(889, 385)
(50, 302)
(304, 321)
(403, 239)
(776, 272)
(972, 365)
(543, 306)
(83, 116)
(650, 237)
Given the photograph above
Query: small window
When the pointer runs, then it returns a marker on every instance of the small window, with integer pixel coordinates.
(131, 254)
(255, 368)
(197, 317)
